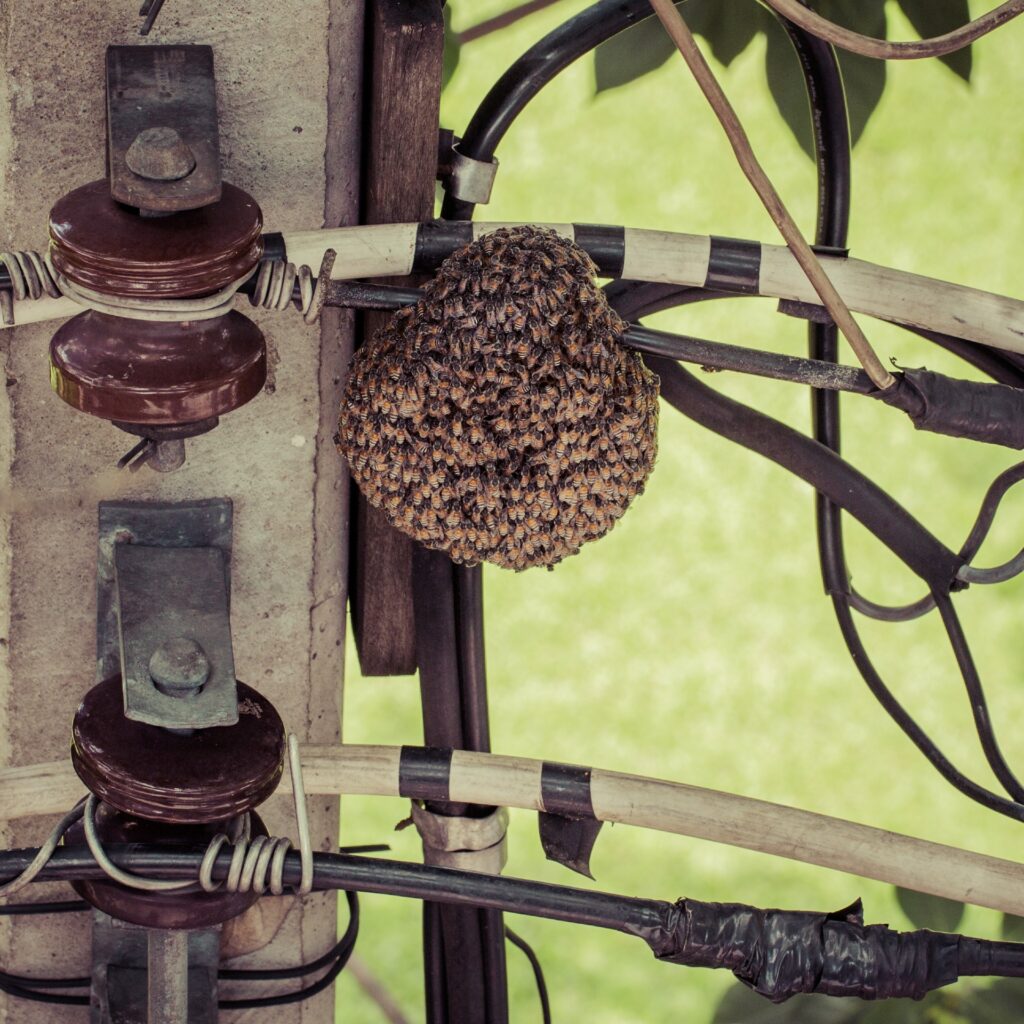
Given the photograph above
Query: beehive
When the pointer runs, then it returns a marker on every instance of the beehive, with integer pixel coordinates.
(500, 419)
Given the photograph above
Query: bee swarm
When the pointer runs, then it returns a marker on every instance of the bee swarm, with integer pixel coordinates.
(501, 419)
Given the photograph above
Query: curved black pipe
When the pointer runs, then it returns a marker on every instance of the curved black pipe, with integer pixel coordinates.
(531, 72)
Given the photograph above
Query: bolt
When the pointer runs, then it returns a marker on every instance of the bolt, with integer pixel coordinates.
(179, 667)
(160, 154)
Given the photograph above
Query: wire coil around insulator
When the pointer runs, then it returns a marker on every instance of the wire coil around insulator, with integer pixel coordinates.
(257, 864)
(276, 281)
(31, 274)
(32, 277)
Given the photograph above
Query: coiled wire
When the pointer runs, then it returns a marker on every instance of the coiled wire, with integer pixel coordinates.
(276, 281)
(32, 277)
(257, 864)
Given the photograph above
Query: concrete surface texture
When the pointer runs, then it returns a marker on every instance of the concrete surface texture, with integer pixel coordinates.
(276, 67)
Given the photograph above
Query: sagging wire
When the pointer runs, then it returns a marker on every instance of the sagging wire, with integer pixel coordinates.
(335, 959)
(833, 557)
(883, 49)
(538, 972)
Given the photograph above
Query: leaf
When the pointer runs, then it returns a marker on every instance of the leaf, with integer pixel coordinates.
(1000, 1003)
(864, 78)
(932, 912)
(1012, 928)
(728, 25)
(741, 1005)
(936, 18)
(630, 54)
(450, 60)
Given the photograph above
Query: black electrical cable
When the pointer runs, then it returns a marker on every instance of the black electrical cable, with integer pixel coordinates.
(525, 78)
(538, 972)
(629, 914)
(337, 957)
(976, 695)
(28, 909)
(33, 995)
(29, 988)
(830, 129)
(895, 710)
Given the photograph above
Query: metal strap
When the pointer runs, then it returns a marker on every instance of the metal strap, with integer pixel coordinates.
(470, 844)
(471, 180)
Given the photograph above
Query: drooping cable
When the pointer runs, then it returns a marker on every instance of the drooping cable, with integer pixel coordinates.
(337, 958)
(538, 972)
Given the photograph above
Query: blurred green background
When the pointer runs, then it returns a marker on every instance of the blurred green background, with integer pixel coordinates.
(694, 642)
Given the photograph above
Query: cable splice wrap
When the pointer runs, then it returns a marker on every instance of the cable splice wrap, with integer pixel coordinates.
(781, 953)
(993, 413)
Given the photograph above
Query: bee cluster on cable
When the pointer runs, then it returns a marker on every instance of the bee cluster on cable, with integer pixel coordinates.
(500, 419)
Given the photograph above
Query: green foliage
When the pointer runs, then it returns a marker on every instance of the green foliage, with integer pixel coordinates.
(931, 912)
(1013, 928)
(729, 26)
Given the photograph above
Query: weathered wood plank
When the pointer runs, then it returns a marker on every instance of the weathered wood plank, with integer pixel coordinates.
(406, 40)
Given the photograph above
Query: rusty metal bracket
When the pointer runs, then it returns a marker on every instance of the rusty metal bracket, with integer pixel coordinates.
(122, 959)
(163, 611)
(162, 136)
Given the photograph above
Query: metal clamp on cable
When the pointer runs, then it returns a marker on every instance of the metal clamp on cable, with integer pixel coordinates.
(471, 180)
(469, 844)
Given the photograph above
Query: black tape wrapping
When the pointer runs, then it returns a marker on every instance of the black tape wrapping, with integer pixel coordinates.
(783, 953)
(993, 413)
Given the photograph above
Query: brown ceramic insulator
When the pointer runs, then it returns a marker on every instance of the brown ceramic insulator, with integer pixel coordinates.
(149, 772)
(138, 371)
(159, 909)
(100, 244)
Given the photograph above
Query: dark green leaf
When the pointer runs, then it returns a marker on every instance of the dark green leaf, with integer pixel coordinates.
(932, 912)
(631, 54)
(1012, 928)
(864, 78)
(936, 18)
(451, 48)
(1000, 1003)
(740, 1005)
(727, 25)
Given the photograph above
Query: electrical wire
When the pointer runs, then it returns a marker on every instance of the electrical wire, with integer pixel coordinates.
(60, 907)
(538, 972)
(337, 957)
(45, 852)
(882, 49)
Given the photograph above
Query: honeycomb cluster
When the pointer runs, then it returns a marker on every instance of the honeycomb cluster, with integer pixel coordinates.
(500, 419)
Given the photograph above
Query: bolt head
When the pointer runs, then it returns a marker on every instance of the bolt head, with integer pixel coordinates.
(160, 154)
(179, 667)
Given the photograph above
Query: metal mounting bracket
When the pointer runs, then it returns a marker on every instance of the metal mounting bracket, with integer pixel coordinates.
(163, 144)
(123, 960)
(163, 579)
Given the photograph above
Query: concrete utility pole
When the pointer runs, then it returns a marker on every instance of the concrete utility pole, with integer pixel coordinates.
(289, 94)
